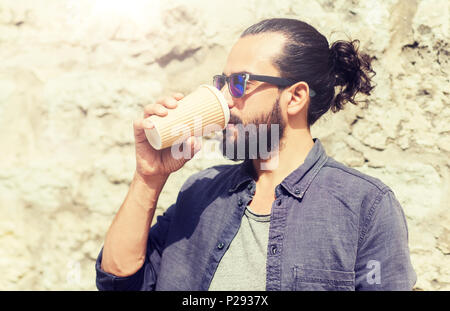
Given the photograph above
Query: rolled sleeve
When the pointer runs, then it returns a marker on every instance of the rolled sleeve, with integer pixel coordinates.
(108, 282)
(145, 278)
(383, 259)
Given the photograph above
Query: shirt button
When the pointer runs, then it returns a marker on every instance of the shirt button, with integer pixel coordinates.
(279, 202)
(297, 191)
(240, 202)
(220, 245)
(274, 249)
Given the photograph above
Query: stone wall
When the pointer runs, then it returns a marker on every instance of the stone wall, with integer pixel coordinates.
(74, 74)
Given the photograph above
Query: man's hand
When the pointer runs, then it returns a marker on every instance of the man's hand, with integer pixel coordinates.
(152, 163)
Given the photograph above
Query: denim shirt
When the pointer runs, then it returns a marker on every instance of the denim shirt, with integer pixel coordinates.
(332, 228)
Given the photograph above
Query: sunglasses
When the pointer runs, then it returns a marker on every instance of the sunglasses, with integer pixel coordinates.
(237, 82)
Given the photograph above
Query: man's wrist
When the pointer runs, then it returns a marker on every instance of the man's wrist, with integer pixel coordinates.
(150, 180)
(144, 192)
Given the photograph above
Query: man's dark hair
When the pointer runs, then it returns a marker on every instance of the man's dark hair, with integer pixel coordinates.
(307, 57)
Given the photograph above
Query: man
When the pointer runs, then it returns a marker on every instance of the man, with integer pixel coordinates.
(293, 220)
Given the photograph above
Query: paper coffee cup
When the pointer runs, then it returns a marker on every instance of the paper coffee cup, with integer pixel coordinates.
(197, 114)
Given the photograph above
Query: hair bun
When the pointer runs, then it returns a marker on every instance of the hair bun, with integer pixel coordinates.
(351, 71)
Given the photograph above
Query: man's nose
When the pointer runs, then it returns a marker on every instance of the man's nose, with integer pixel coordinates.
(228, 97)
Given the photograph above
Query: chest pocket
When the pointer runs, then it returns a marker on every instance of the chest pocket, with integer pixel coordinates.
(306, 279)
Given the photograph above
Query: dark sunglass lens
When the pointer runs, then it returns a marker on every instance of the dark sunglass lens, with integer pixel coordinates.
(237, 85)
(219, 82)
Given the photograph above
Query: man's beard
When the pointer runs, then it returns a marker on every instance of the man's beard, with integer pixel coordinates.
(257, 139)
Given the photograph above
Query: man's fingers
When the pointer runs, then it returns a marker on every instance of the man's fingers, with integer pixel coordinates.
(155, 109)
(178, 96)
(160, 108)
(143, 124)
(168, 102)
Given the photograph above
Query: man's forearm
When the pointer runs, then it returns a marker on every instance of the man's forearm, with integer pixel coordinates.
(126, 241)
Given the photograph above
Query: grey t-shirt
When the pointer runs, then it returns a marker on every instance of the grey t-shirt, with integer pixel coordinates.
(243, 266)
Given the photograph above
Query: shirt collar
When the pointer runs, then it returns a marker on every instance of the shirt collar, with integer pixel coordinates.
(245, 173)
(299, 180)
(295, 183)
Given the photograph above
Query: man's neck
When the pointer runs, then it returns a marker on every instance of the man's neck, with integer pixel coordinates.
(291, 154)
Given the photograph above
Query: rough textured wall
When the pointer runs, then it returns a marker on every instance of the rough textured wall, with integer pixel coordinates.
(74, 74)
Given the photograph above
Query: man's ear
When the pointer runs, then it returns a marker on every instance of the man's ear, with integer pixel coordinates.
(299, 97)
